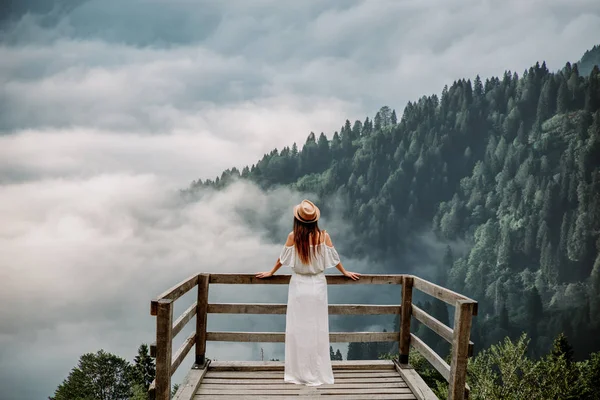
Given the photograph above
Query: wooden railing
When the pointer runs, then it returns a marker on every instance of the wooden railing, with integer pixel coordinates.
(166, 329)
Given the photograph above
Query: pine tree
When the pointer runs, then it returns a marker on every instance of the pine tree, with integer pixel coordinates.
(448, 257)
(533, 314)
(504, 249)
(347, 129)
(323, 154)
(346, 145)
(378, 121)
(561, 347)
(595, 291)
(576, 244)
(447, 262)
(592, 95)
(385, 113)
(354, 352)
(144, 370)
(477, 87)
(367, 127)
(504, 320)
(544, 110)
(356, 129)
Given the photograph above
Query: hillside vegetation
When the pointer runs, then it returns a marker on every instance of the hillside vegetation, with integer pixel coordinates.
(509, 165)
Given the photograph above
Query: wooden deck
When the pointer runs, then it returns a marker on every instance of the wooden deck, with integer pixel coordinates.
(373, 379)
(378, 380)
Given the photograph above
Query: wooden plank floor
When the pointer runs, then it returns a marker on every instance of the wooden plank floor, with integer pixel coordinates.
(240, 380)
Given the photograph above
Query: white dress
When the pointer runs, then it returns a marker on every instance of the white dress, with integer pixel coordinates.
(307, 358)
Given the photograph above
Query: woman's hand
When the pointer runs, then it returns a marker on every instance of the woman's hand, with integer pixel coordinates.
(352, 275)
(265, 274)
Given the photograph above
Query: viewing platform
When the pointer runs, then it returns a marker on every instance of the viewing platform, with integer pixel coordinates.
(254, 380)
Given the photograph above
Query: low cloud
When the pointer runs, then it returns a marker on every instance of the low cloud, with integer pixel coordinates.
(83, 258)
(192, 151)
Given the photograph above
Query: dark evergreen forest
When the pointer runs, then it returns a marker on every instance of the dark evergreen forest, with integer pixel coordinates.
(509, 167)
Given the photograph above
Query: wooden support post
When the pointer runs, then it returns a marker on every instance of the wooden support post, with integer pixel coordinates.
(164, 339)
(460, 349)
(406, 312)
(201, 319)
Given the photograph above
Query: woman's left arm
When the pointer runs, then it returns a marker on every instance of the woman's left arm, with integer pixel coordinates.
(352, 275)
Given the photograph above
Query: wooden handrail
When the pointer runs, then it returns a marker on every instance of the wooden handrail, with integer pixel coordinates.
(434, 359)
(441, 293)
(465, 309)
(184, 319)
(279, 337)
(435, 325)
(364, 365)
(403, 345)
(175, 292)
(183, 351)
(251, 279)
(201, 318)
(462, 348)
(271, 308)
(432, 323)
(162, 308)
(166, 330)
(164, 343)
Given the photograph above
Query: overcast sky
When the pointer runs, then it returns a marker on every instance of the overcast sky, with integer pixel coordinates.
(108, 107)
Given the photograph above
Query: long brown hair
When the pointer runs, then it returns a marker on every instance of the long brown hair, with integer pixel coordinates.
(306, 234)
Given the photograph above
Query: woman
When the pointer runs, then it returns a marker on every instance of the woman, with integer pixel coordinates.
(308, 251)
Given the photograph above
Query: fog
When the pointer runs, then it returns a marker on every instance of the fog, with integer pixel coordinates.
(83, 258)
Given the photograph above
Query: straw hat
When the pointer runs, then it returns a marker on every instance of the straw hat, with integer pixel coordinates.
(307, 212)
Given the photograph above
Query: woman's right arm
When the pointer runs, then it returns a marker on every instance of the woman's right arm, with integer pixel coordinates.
(352, 275)
(266, 274)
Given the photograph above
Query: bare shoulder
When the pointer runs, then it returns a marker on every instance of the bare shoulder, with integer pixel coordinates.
(328, 241)
(290, 239)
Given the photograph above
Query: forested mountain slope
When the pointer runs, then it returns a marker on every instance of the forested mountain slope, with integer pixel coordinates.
(589, 59)
(509, 165)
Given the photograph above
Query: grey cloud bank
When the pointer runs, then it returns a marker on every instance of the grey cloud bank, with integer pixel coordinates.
(108, 107)
(83, 258)
(121, 64)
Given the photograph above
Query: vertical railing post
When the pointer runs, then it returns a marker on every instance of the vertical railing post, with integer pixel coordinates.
(406, 312)
(460, 349)
(201, 319)
(164, 342)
